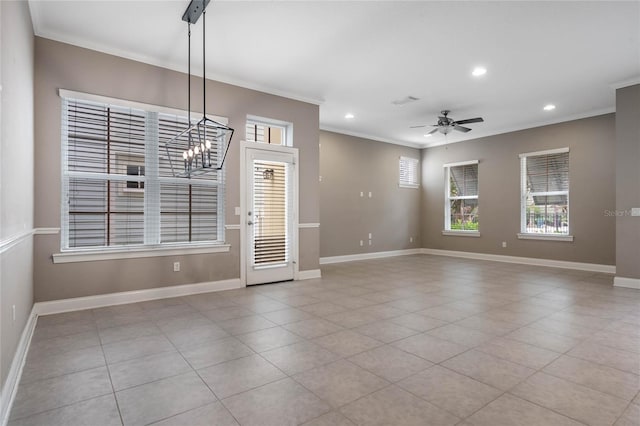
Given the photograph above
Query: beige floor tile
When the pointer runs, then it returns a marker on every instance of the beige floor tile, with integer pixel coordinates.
(390, 363)
(631, 416)
(196, 335)
(286, 316)
(242, 374)
(143, 370)
(136, 348)
(101, 411)
(314, 327)
(299, 357)
(215, 352)
(42, 395)
(544, 339)
(444, 313)
(488, 369)
(509, 411)
(245, 324)
(64, 329)
(128, 331)
(385, 331)
(604, 379)
(562, 328)
(578, 402)
(38, 367)
(383, 311)
(346, 343)
(66, 317)
(332, 418)
(394, 406)
(231, 312)
(461, 335)
(340, 382)
(283, 403)
(417, 322)
(453, 392)
(518, 352)
(210, 414)
(267, 339)
(487, 325)
(622, 341)
(323, 308)
(608, 356)
(159, 400)
(430, 348)
(350, 319)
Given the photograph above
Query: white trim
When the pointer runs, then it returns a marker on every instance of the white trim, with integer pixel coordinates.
(309, 225)
(14, 240)
(47, 231)
(407, 185)
(370, 137)
(70, 94)
(626, 83)
(366, 256)
(10, 387)
(137, 252)
(110, 299)
(626, 282)
(546, 237)
(309, 274)
(232, 226)
(545, 152)
(461, 163)
(590, 267)
(461, 233)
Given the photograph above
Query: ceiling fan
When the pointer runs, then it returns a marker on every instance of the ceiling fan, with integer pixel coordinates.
(446, 124)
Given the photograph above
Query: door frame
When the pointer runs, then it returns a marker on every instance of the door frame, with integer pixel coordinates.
(245, 149)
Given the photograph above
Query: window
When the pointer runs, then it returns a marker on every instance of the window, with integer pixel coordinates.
(408, 172)
(266, 132)
(544, 203)
(118, 187)
(461, 194)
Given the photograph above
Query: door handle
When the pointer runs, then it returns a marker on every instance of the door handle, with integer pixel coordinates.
(249, 223)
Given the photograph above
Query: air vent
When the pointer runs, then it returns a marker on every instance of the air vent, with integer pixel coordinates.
(405, 100)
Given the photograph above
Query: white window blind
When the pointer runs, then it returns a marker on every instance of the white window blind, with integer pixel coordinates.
(461, 194)
(408, 172)
(118, 188)
(544, 178)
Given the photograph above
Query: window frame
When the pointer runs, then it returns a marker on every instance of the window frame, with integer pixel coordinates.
(151, 247)
(447, 200)
(286, 128)
(523, 234)
(416, 163)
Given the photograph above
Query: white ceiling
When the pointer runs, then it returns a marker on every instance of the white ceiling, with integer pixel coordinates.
(358, 57)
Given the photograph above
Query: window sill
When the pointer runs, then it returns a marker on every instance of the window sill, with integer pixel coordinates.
(461, 233)
(92, 255)
(408, 185)
(547, 237)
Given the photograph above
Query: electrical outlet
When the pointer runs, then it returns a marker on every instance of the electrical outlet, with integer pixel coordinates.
(370, 194)
(13, 313)
(369, 242)
(176, 266)
(361, 243)
(237, 211)
(320, 178)
(635, 211)
(504, 244)
(410, 239)
(361, 194)
(369, 235)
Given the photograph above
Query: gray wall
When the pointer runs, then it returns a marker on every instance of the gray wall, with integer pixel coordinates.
(627, 181)
(592, 175)
(16, 175)
(59, 65)
(350, 165)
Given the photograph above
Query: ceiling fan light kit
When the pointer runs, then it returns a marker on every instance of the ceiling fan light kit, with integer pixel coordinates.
(196, 150)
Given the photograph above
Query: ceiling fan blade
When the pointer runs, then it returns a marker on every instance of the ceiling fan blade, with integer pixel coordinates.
(470, 120)
(461, 129)
(433, 131)
(417, 127)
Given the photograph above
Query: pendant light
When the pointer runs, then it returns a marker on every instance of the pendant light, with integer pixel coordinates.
(202, 147)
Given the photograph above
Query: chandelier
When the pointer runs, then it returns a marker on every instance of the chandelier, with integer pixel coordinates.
(202, 147)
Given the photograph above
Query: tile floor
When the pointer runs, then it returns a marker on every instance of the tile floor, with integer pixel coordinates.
(414, 340)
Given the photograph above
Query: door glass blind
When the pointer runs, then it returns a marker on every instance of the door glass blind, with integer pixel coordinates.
(271, 210)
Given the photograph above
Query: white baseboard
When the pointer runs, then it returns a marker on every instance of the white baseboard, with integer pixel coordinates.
(310, 274)
(627, 282)
(366, 256)
(590, 267)
(10, 386)
(101, 300)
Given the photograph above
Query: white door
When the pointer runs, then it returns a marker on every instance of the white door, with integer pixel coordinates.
(270, 216)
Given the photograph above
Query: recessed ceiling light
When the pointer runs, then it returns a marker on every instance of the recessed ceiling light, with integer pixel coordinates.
(549, 107)
(478, 71)
(349, 116)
